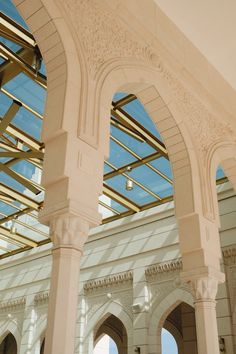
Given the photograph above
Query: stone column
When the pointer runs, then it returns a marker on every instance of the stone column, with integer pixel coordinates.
(69, 233)
(140, 311)
(201, 253)
(205, 290)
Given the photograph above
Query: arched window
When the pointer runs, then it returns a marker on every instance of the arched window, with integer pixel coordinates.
(110, 336)
(168, 343)
(105, 345)
(8, 345)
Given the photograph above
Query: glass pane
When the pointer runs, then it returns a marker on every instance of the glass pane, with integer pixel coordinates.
(152, 180)
(219, 173)
(28, 91)
(137, 111)
(119, 156)
(137, 194)
(140, 148)
(9, 9)
(163, 165)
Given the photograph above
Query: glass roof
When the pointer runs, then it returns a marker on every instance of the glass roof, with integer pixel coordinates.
(137, 175)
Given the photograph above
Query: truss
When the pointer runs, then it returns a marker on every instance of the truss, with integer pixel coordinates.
(21, 197)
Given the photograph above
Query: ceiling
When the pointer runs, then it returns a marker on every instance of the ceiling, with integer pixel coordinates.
(210, 25)
(137, 175)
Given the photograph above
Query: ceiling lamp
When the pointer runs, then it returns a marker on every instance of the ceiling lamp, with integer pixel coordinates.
(129, 183)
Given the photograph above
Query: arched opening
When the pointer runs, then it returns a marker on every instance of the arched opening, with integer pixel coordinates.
(110, 337)
(105, 345)
(178, 333)
(138, 174)
(168, 343)
(8, 345)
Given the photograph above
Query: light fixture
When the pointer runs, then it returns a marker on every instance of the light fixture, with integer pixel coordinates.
(13, 228)
(129, 183)
(222, 345)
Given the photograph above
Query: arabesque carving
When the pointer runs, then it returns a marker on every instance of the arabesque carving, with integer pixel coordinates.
(13, 304)
(41, 298)
(69, 231)
(204, 288)
(165, 267)
(105, 38)
(229, 256)
(112, 280)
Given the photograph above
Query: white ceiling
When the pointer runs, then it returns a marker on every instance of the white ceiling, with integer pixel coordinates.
(211, 27)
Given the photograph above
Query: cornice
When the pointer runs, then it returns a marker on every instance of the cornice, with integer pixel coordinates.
(164, 267)
(13, 304)
(41, 298)
(111, 280)
(229, 256)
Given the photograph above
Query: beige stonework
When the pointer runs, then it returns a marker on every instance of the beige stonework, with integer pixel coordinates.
(92, 49)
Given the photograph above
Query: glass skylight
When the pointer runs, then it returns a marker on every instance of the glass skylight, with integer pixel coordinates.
(137, 174)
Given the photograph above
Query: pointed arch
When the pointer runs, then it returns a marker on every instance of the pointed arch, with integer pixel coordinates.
(160, 312)
(12, 328)
(97, 318)
(157, 98)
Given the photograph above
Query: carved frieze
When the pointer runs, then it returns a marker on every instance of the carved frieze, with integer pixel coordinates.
(12, 305)
(109, 281)
(229, 256)
(171, 267)
(41, 298)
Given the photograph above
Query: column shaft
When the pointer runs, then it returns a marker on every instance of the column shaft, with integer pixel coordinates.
(206, 325)
(60, 334)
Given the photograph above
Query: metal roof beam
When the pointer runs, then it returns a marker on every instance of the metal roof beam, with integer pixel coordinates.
(25, 67)
(17, 237)
(14, 32)
(22, 198)
(126, 119)
(20, 179)
(10, 114)
(111, 193)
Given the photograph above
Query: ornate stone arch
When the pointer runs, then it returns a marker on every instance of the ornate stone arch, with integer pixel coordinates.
(11, 327)
(224, 154)
(63, 62)
(175, 333)
(113, 308)
(154, 93)
(160, 312)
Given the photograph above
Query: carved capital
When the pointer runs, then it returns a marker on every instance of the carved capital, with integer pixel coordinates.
(69, 231)
(204, 288)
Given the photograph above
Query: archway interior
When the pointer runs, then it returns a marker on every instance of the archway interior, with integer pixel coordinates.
(8, 345)
(110, 337)
(137, 175)
(178, 335)
(168, 343)
(105, 345)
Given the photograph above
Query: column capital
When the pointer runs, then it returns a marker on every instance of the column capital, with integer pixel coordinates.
(69, 231)
(204, 283)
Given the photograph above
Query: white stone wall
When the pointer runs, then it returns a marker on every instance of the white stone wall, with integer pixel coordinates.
(129, 269)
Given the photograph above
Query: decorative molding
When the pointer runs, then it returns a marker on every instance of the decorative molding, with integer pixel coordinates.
(204, 289)
(165, 267)
(111, 280)
(41, 298)
(229, 256)
(12, 305)
(69, 231)
(103, 36)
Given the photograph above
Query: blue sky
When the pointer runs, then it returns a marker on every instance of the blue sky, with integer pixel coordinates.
(168, 344)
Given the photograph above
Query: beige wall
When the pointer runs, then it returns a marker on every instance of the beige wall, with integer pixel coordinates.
(120, 276)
